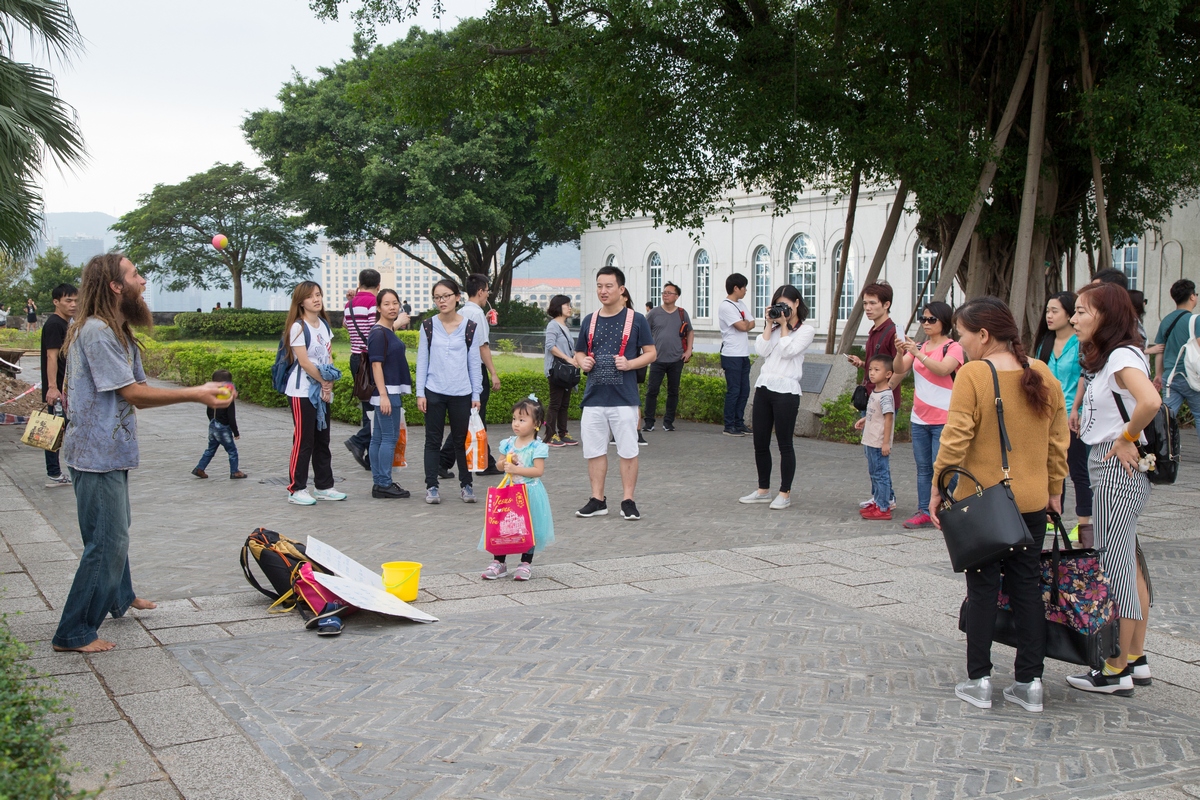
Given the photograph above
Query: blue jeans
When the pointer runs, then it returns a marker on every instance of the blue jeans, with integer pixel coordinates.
(220, 435)
(926, 440)
(1181, 390)
(881, 477)
(384, 434)
(737, 390)
(102, 584)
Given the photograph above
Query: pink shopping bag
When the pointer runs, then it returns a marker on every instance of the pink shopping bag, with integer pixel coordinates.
(508, 526)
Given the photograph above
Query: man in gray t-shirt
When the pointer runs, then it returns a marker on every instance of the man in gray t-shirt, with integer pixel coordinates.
(105, 384)
(671, 328)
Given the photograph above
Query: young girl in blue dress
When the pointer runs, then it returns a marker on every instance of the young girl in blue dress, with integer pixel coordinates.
(525, 460)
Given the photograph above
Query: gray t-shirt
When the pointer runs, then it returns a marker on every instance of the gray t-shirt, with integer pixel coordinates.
(666, 327)
(101, 431)
(556, 336)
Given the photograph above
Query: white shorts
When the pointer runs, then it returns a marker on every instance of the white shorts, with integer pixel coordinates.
(597, 422)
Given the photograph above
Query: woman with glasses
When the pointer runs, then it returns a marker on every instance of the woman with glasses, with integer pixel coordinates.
(934, 364)
(449, 381)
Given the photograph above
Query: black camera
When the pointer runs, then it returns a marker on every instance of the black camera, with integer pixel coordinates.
(780, 311)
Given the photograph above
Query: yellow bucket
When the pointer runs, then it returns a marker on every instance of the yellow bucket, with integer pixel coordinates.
(402, 579)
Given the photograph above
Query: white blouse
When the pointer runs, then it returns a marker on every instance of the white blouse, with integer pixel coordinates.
(1101, 419)
(783, 359)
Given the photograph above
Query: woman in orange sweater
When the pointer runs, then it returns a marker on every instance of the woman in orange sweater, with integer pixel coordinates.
(1036, 419)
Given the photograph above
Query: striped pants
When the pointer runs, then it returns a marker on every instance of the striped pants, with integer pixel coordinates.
(1117, 500)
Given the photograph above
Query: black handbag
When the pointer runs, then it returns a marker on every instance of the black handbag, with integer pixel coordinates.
(1082, 626)
(860, 397)
(563, 374)
(986, 525)
(1162, 441)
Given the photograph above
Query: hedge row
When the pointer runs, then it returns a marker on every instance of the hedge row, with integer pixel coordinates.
(244, 323)
(701, 397)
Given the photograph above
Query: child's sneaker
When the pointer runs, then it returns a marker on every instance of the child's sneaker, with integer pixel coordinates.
(523, 572)
(873, 512)
(302, 498)
(494, 570)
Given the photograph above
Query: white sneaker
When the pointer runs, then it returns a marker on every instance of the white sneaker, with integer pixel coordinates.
(61, 480)
(755, 497)
(302, 498)
(781, 502)
(328, 494)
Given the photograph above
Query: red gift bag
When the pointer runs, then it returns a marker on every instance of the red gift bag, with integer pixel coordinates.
(508, 526)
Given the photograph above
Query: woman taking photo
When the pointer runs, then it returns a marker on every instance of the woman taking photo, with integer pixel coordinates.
(449, 380)
(309, 384)
(559, 345)
(781, 346)
(1118, 403)
(389, 368)
(1036, 422)
(934, 363)
(1058, 348)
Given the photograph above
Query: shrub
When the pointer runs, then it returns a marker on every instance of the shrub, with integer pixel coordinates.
(231, 324)
(165, 333)
(516, 315)
(32, 765)
(837, 424)
(506, 345)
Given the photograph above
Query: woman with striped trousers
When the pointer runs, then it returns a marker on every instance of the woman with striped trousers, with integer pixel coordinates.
(1106, 324)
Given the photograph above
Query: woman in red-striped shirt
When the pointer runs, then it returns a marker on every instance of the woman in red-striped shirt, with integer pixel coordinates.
(934, 364)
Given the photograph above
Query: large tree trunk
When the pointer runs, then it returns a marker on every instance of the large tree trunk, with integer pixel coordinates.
(881, 251)
(949, 268)
(235, 275)
(1022, 266)
(841, 273)
(1097, 174)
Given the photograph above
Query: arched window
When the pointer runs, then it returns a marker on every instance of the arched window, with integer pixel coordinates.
(762, 281)
(654, 264)
(802, 271)
(925, 274)
(517, 298)
(703, 284)
(1125, 258)
(611, 261)
(846, 301)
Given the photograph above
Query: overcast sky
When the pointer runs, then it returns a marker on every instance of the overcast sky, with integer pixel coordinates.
(163, 86)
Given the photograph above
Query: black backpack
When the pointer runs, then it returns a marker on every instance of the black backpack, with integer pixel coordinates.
(277, 556)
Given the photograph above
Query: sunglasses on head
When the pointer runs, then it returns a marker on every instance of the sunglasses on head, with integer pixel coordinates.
(929, 320)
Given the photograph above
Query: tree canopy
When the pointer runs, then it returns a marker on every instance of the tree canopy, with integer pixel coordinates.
(365, 156)
(34, 121)
(668, 108)
(169, 236)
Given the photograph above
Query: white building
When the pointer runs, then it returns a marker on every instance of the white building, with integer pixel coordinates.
(411, 279)
(538, 291)
(803, 247)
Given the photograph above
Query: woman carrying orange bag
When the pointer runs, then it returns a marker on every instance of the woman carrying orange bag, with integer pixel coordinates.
(525, 463)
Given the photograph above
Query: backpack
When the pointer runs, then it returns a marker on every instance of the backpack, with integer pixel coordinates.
(282, 368)
(427, 326)
(1191, 356)
(1162, 442)
(278, 557)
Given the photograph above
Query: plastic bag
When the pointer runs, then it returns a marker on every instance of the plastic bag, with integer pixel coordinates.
(398, 457)
(477, 443)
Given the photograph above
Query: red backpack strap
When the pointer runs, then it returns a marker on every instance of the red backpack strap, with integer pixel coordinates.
(625, 333)
(592, 332)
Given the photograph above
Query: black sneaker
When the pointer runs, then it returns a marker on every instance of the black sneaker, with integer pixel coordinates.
(629, 510)
(594, 508)
(445, 474)
(668, 428)
(641, 441)
(1120, 684)
(1141, 671)
(395, 491)
(360, 454)
(732, 432)
(648, 427)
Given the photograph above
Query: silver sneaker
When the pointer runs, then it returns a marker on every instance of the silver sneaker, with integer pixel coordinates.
(1027, 695)
(755, 497)
(977, 692)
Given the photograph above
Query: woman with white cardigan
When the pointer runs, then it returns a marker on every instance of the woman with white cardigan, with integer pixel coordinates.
(781, 347)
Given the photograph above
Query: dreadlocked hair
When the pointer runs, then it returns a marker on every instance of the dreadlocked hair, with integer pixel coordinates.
(98, 300)
(991, 314)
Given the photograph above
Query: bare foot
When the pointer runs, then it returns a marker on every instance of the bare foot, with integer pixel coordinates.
(143, 605)
(94, 646)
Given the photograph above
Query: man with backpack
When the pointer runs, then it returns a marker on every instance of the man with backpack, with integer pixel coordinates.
(1174, 376)
(671, 328)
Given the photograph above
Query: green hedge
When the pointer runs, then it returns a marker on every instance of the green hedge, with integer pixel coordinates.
(32, 760)
(701, 397)
(231, 324)
(837, 425)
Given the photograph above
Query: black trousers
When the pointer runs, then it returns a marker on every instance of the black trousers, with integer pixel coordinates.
(436, 408)
(1077, 464)
(556, 413)
(776, 410)
(658, 371)
(308, 443)
(1022, 577)
(361, 437)
(447, 457)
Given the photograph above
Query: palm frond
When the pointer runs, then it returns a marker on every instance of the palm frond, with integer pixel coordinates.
(48, 22)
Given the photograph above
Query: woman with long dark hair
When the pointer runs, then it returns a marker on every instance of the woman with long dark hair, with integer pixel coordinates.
(1119, 402)
(449, 381)
(559, 345)
(934, 363)
(781, 347)
(1058, 348)
(310, 352)
(1036, 423)
(389, 371)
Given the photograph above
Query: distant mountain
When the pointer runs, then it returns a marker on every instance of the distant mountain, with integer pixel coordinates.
(90, 224)
(555, 261)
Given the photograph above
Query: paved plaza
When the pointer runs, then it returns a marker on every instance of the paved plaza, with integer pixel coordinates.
(710, 650)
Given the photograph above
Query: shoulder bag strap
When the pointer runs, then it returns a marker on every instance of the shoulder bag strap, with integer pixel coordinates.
(1005, 444)
(567, 337)
(348, 313)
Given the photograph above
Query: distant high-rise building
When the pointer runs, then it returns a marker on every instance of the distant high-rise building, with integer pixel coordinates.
(80, 249)
(411, 279)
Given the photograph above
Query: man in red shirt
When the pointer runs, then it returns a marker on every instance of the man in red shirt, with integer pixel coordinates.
(877, 305)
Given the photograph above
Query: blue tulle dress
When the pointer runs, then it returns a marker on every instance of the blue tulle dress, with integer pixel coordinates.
(539, 501)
